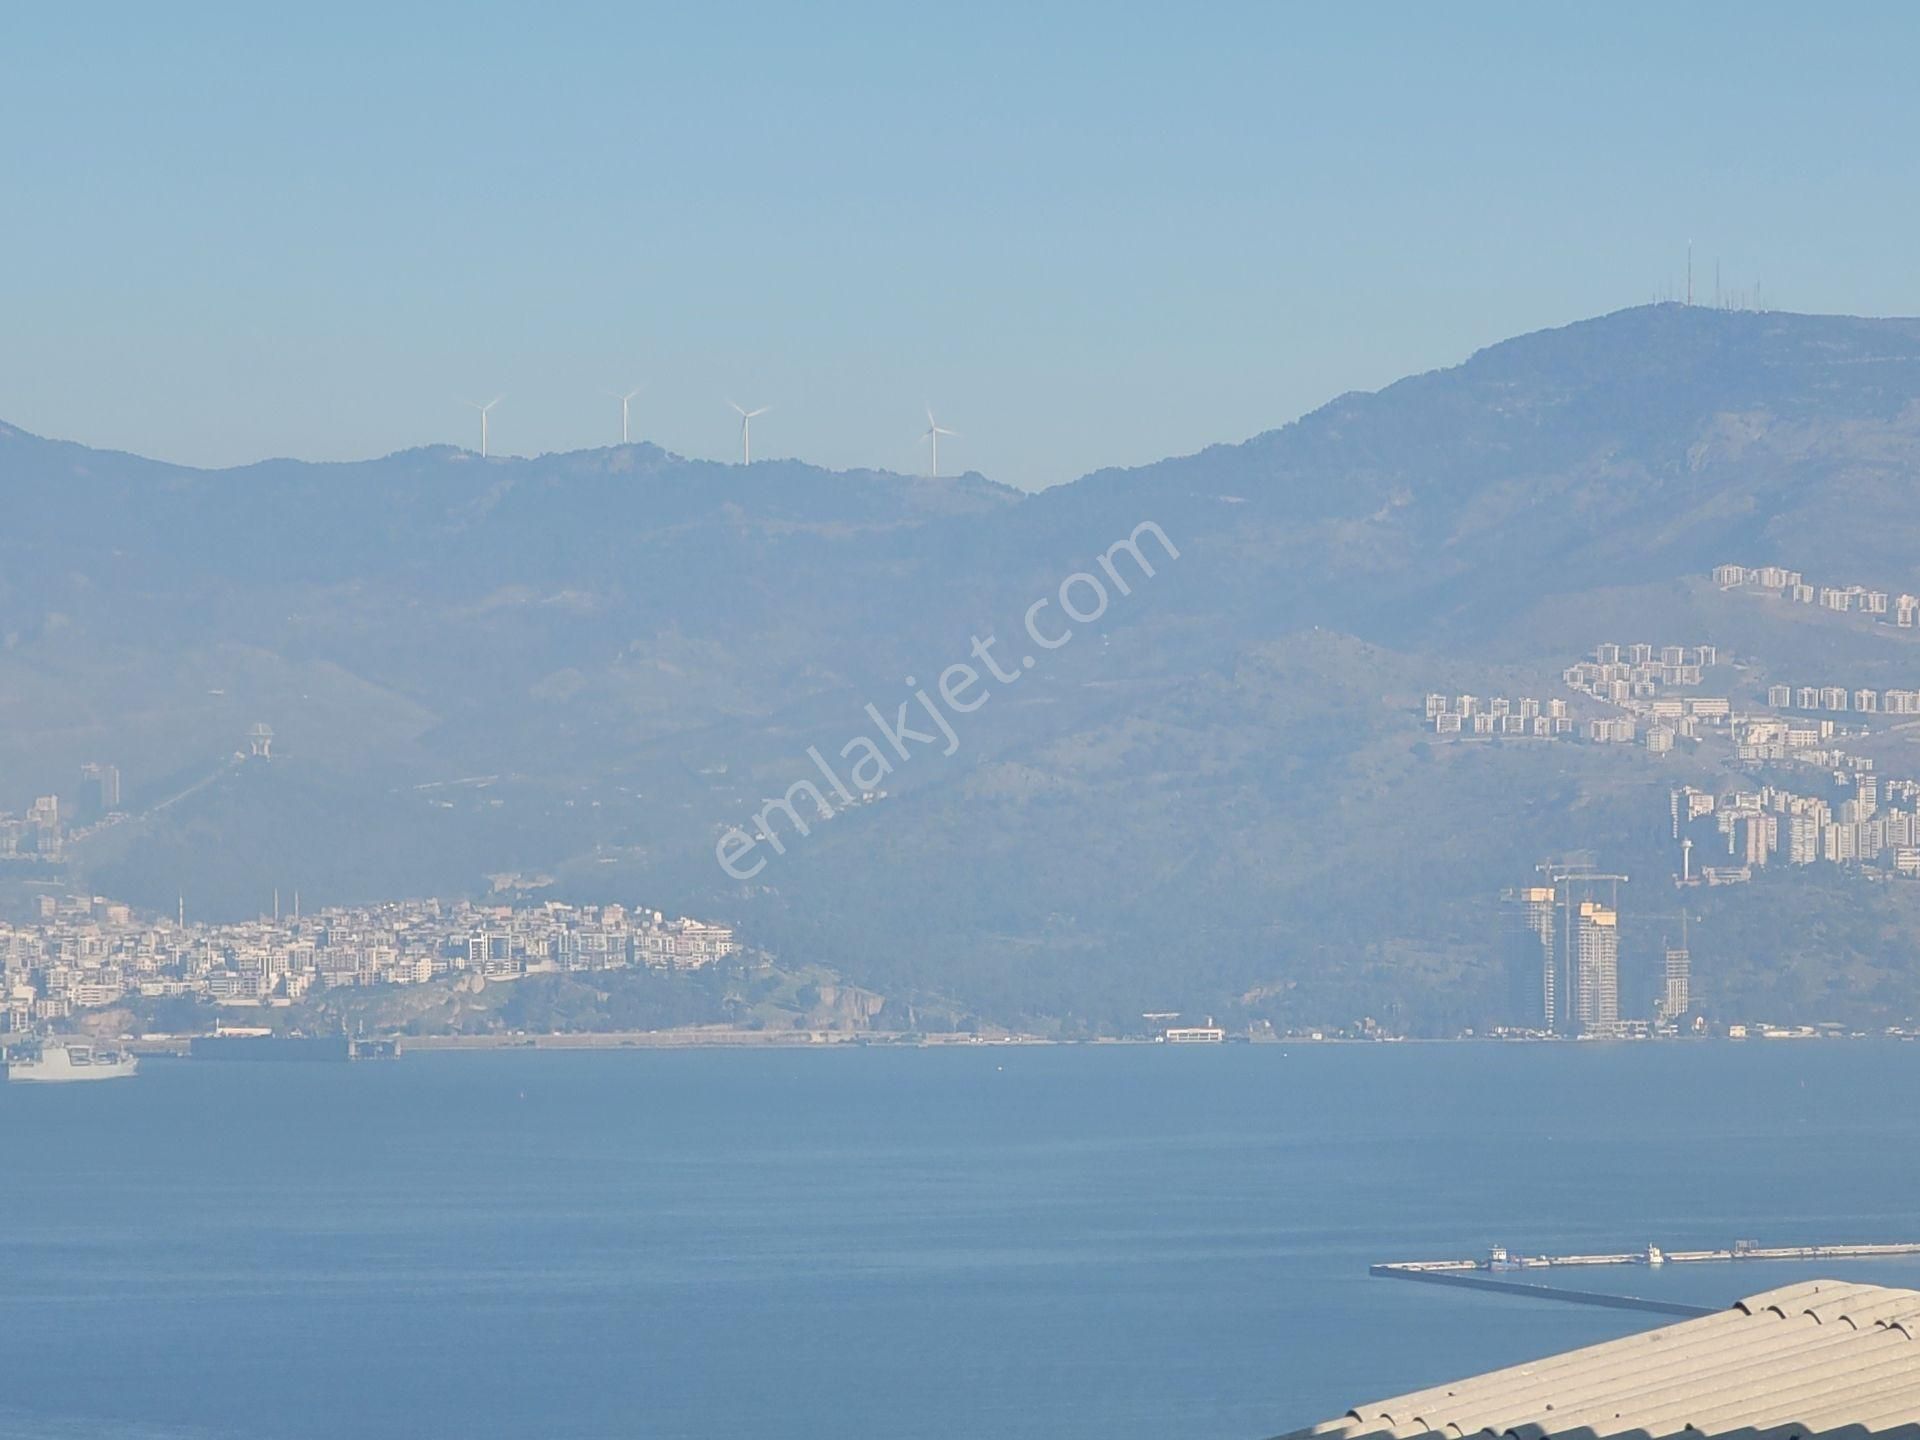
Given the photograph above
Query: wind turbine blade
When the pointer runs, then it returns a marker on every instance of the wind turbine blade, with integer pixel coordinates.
(737, 406)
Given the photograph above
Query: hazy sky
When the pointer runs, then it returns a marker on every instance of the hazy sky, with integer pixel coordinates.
(1090, 235)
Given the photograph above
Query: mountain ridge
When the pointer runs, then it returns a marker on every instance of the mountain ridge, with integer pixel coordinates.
(643, 647)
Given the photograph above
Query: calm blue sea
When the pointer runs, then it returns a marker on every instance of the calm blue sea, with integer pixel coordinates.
(1098, 1242)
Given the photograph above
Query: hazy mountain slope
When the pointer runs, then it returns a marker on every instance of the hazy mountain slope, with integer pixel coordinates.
(1643, 445)
(1216, 795)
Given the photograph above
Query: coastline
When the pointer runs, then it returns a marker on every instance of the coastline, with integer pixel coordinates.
(692, 1038)
(703, 1037)
(726, 1038)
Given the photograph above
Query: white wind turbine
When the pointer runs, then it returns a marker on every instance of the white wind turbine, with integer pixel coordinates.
(483, 409)
(933, 432)
(625, 400)
(746, 429)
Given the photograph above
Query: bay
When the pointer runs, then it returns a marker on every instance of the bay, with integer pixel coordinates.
(1112, 1241)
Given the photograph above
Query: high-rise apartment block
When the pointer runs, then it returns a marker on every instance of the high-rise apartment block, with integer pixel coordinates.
(1596, 970)
(1677, 998)
(1528, 944)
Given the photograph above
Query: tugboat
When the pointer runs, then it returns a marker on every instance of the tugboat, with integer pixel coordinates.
(59, 1063)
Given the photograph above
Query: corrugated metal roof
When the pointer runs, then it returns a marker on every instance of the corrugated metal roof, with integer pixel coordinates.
(1807, 1359)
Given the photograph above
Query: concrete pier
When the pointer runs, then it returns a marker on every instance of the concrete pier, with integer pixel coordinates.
(1501, 1260)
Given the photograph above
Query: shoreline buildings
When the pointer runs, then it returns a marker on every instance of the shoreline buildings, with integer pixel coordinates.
(1560, 946)
(84, 952)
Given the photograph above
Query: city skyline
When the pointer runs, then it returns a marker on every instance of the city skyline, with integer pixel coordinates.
(82, 953)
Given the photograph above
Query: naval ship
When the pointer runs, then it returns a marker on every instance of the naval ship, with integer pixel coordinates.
(60, 1063)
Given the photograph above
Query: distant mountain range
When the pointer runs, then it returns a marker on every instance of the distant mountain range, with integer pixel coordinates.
(1217, 797)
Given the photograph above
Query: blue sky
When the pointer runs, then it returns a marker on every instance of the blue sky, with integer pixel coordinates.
(1088, 234)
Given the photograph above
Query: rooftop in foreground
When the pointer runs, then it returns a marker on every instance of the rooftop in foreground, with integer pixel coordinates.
(1816, 1358)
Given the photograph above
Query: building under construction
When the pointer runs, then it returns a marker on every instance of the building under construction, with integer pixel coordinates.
(1596, 970)
(1676, 998)
(1530, 956)
(1560, 945)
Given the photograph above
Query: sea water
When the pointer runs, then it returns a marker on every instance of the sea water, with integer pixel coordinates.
(1088, 1241)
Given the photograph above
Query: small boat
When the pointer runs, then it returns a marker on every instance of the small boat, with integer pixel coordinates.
(59, 1064)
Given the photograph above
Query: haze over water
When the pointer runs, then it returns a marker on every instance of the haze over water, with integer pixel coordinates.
(1111, 1242)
